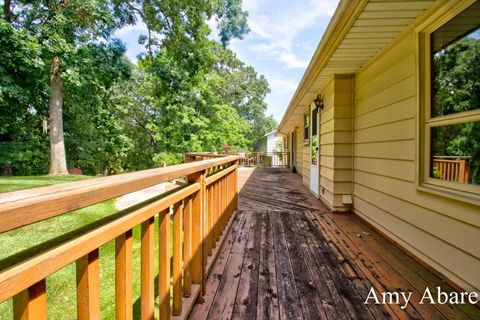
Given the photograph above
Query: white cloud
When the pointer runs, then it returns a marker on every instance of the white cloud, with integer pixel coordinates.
(292, 61)
(136, 28)
(277, 27)
(282, 84)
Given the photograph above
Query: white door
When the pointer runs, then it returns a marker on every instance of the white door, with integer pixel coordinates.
(294, 149)
(314, 152)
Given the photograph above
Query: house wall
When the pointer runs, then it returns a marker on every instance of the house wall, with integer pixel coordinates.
(335, 152)
(272, 141)
(336, 142)
(442, 232)
(302, 156)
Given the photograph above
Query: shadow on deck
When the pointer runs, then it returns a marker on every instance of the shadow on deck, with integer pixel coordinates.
(288, 257)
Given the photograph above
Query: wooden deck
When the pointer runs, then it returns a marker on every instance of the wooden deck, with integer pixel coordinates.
(287, 257)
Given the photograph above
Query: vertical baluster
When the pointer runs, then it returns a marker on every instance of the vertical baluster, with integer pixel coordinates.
(187, 248)
(214, 215)
(220, 214)
(31, 303)
(198, 209)
(231, 193)
(235, 187)
(123, 276)
(177, 259)
(224, 197)
(164, 264)
(457, 171)
(227, 189)
(204, 236)
(210, 220)
(147, 272)
(88, 286)
(462, 171)
(218, 210)
(448, 171)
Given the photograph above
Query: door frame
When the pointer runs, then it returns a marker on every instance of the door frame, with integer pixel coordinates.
(314, 168)
(293, 151)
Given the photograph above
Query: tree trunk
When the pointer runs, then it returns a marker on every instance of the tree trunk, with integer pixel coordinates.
(7, 11)
(58, 161)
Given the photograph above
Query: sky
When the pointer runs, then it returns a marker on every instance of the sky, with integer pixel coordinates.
(283, 37)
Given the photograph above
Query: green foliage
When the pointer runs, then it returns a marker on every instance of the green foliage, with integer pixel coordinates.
(233, 20)
(457, 89)
(9, 184)
(457, 80)
(188, 93)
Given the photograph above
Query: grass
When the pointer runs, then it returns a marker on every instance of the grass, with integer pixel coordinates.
(9, 184)
(61, 286)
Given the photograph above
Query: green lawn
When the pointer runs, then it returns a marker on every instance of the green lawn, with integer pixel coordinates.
(8, 184)
(61, 292)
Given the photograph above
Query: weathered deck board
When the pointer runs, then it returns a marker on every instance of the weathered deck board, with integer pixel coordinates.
(246, 301)
(287, 257)
(267, 300)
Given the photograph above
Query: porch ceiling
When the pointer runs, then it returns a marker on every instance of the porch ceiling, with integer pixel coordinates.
(358, 31)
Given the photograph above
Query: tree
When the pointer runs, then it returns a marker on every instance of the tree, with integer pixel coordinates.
(457, 89)
(61, 26)
(95, 140)
(238, 85)
(23, 99)
(188, 93)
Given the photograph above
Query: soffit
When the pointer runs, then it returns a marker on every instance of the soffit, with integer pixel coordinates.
(376, 26)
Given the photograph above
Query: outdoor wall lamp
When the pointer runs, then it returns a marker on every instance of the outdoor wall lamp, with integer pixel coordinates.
(319, 102)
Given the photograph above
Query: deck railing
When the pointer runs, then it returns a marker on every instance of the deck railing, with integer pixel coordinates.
(247, 159)
(201, 210)
(452, 168)
(198, 156)
(265, 159)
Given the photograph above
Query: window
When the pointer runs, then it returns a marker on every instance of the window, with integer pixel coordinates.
(305, 126)
(450, 127)
(314, 121)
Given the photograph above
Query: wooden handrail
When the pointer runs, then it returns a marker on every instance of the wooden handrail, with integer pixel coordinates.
(197, 156)
(24, 207)
(197, 227)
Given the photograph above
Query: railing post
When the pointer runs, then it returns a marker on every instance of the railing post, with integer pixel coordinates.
(198, 230)
(88, 286)
(31, 303)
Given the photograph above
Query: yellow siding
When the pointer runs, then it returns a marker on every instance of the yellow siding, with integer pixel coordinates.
(334, 154)
(327, 146)
(442, 232)
(336, 142)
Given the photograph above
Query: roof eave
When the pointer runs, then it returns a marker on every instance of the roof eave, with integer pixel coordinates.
(343, 18)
